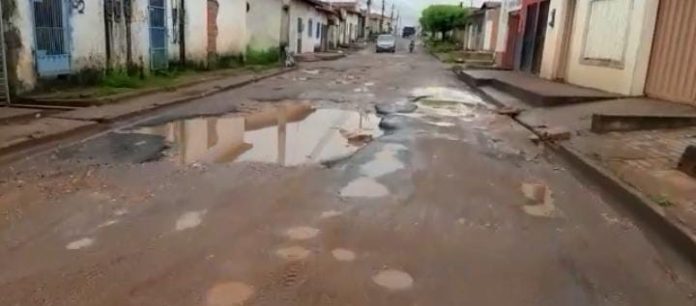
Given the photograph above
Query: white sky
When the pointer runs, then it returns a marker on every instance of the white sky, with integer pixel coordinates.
(411, 9)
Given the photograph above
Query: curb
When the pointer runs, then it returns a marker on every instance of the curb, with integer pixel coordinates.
(626, 196)
(35, 146)
(100, 101)
(199, 96)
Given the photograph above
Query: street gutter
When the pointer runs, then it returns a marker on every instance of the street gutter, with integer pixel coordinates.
(630, 199)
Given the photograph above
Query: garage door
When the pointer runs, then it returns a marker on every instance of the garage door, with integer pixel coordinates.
(672, 72)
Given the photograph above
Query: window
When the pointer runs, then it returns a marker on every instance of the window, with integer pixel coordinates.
(309, 28)
(299, 25)
(319, 26)
(604, 46)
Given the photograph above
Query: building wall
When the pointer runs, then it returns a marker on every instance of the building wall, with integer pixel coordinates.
(617, 60)
(300, 9)
(554, 55)
(232, 37)
(491, 29)
(196, 31)
(506, 7)
(87, 47)
(264, 23)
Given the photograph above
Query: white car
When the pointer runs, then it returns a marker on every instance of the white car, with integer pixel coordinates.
(386, 43)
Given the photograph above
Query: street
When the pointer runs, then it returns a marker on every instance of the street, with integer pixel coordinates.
(287, 192)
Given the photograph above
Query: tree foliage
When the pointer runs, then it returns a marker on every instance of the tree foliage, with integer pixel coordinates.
(442, 18)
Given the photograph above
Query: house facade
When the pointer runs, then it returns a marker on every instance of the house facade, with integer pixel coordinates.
(307, 19)
(481, 33)
(570, 40)
(47, 39)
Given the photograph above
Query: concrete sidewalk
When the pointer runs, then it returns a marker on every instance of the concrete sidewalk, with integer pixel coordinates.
(641, 166)
(18, 135)
(644, 160)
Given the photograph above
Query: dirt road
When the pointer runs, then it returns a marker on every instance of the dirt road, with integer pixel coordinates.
(287, 192)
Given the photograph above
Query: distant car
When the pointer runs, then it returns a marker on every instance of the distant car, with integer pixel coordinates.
(408, 32)
(386, 43)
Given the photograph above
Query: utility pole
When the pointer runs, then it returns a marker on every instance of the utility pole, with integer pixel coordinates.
(368, 19)
(391, 19)
(381, 20)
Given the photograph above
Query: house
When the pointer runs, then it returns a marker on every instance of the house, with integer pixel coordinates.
(569, 40)
(268, 24)
(82, 40)
(379, 24)
(508, 33)
(307, 19)
(350, 26)
(482, 30)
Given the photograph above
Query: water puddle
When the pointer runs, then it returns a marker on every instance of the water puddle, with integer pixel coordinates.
(540, 200)
(343, 254)
(393, 279)
(446, 94)
(80, 244)
(293, 253)
(228, 294)
(364, 187)
(384, 162)
(447, 109)
(290, 134)
(301, 233)
(189, 220)
(330, 214)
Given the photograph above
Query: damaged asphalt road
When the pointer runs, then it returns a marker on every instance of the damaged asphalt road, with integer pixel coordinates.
(298, 197)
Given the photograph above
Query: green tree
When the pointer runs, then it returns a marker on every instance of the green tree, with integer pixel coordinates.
(442, 18)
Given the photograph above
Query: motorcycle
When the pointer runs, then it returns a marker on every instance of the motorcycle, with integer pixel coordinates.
(411, 46)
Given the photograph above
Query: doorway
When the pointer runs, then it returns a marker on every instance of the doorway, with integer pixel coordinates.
(52, 55)
(512, 39)
(535, 26)
(300, 25)
(158, 35)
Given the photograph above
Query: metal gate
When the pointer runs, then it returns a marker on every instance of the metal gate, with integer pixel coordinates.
(672, 71)
(52, 55)
(158, 35)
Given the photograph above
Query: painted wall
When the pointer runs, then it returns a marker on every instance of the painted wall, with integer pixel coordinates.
(490, 36)
(232, 36)
(86, 46)
(264, 23)
(633, 38)
(300, 9)
(196, 30)
(506, 7)
(554, 55)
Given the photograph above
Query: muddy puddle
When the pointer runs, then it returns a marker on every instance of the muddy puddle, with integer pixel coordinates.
(446, 94)
(289, 134)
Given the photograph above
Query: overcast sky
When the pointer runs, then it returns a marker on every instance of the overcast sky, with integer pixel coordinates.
(410, 9)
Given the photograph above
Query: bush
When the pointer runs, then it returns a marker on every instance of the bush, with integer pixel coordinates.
(442, 46)
(262, 57)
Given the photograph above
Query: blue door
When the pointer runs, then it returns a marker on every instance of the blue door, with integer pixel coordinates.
(158, 35)
(52, 49)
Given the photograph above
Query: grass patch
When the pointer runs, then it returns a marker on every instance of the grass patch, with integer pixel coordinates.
(441, 46)
(662, 201)
(270, 56)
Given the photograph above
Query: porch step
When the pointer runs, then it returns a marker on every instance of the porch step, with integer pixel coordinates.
(501, 98)
(531, 89)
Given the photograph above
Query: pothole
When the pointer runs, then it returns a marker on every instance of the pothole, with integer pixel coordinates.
(289, 134)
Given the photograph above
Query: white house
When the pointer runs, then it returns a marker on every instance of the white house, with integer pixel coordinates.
(267, 23)
(306, 23)
(83, 39)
